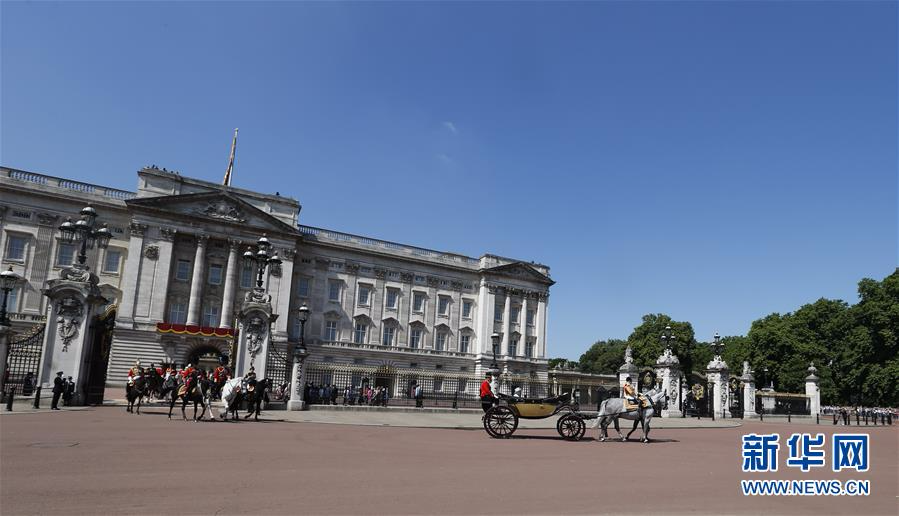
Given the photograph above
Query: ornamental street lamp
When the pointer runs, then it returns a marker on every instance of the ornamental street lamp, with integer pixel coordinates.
(299, 355)
(261, 259)
(8, 281)
(717, 346)
(302, 316)
(667, 337)
(86, 232)
(495, 338)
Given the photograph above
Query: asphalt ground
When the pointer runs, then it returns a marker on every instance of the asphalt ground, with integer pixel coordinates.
(105, 461)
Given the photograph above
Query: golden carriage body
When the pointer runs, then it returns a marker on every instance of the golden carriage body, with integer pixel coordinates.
(501, 420)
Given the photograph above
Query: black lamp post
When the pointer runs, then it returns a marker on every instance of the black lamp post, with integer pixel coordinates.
(85, 230)
(261, 259)
(717, 346)
(299, 353)
(495, 338)
(8, 281)
(667, 337)
(302, 316)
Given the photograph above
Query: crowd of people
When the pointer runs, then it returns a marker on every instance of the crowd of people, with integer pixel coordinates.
(328, 394)
(874, 415)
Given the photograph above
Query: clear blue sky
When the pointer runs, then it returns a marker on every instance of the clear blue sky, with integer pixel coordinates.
(716, 161)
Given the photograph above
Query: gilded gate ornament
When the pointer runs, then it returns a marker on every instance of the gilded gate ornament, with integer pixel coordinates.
(68, 318)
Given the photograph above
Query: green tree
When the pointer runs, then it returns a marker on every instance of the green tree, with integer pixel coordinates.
(647, 345)
(603, 357)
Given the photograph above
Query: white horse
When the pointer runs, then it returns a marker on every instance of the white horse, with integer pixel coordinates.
(232, 391)
(613, 408)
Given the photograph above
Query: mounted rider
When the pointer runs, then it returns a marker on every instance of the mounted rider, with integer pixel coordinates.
(134, 373)
(633, 401)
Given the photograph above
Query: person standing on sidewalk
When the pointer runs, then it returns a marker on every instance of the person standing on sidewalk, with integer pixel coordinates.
(58, 388)
(68, 392)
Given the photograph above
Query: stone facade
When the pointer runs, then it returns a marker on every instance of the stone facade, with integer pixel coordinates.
(174, 274)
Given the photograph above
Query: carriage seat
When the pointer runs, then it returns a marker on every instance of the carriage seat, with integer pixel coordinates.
(555, 400)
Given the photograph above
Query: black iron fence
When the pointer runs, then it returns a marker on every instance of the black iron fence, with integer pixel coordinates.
(783, 404)
(23, 362)
(364, 385)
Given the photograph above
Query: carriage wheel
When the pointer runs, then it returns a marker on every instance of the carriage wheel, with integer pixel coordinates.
(500, 422)
(571, 427)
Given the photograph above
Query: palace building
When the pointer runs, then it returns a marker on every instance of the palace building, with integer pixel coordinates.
(173, 279)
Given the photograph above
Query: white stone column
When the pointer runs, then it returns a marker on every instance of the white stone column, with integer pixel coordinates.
(507, 324)
(131, 271)
(523, 326)
(668, 369)
(812, 390)
(230, 283)
(196, 283)
(297, 383)
(540, 326)
(162, 276)
(748, 393)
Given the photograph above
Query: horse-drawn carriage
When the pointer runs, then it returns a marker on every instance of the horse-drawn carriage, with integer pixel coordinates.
(501, 420)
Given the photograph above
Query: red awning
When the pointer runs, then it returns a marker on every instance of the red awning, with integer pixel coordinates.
(205, 331)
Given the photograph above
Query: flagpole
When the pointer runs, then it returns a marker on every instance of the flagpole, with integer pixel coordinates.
(227, 180)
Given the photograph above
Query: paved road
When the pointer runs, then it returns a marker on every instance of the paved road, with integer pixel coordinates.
(104, 461)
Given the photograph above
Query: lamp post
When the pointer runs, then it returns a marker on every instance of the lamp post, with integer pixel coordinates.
(667, 337)
(85, 230)
(299, 356)
(495, 338)
(261, 259)
(8, 281)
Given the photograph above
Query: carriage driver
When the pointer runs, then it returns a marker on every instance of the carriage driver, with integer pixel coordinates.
(634, 400)
(487, 396)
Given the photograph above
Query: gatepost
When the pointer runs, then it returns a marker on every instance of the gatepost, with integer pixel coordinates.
(254, 333)
(668, 369)
(75, 300)
(5, 332)
(716, 373)
(812, 390)
(628, 369)
(748, 393)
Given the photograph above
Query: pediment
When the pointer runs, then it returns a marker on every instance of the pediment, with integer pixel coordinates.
(218, 207)
(520, 270)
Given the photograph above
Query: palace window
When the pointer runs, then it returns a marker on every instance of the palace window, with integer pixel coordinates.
(364, 294)
(513, 346)
(359, 333)
(15, 248)
(529, 349)
(462, 385)
(440, 342)
(112, 261)
(438, 384)
(531, 317)
(498, 312)
(466, 309)
(392, 298)
(215, 274)
(389, 332)
(210, 316)
(443, 305)
(303, 287)
(334, 291)
(513, 314)
(12, 302)
(247, 279)
(418, 302)
(330, 330)
(182, 270)
(464, 341)
(415, 338)
(177, 313)
(65, 255)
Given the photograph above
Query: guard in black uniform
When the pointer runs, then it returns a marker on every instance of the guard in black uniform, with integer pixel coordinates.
(58, 388)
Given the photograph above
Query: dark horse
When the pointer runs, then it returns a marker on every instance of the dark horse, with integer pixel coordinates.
(136, 391)
(256, 393)
(194, 389)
